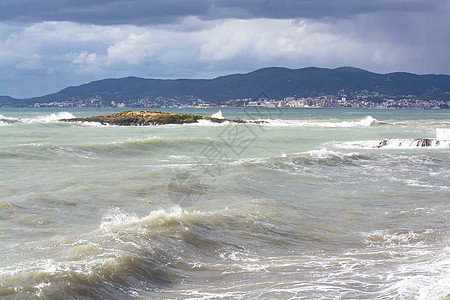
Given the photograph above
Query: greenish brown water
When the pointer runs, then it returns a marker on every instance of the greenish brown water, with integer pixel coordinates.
(302, 206)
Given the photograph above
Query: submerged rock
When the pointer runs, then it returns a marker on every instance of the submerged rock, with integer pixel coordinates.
(382, 143)
(424, 143)
(408, 143)
(143, 118)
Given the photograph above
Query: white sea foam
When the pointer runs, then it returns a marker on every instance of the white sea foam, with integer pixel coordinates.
(251, 160)
(389, 238)
(324, 153)
(4, 121)
(35, 144)
(199, 123)
(53, 117)
(365, 122)
(93, 124)
(207, 123)
(414, 182)
(428, 278)
(135, 140)
(414, 143)
(118, 219)
(391, 144)
(369, 144)
(183, 157)
(425, 273)
(70, 152)
(218, 115)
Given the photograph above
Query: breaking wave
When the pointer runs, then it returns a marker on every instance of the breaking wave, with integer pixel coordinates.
(365, 122)
(218, 115)
(129, 255)
(355, 167)
(53, 117)
(394, 144)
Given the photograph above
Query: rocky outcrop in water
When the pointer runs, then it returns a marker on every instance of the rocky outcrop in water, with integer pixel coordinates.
(143, 118)
(409, 143)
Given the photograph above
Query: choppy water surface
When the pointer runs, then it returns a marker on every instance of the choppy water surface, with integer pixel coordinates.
(303, 205)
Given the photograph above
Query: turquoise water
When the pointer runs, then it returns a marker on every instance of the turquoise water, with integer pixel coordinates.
(302, 205)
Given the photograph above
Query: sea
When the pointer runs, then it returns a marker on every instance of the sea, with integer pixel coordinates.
(294, 204)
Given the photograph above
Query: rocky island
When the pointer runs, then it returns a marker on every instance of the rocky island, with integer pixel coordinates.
(148, 117)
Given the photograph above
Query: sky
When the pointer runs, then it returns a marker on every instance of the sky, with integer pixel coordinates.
(47, 45)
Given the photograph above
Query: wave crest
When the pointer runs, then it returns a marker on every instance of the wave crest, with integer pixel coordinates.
(218, 115)
(394, 144)
(367, 121)
(53, 117)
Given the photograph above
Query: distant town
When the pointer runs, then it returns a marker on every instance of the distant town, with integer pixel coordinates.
(311, 87)
(358, 100)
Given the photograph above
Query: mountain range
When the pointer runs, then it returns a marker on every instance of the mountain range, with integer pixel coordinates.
(276, 82)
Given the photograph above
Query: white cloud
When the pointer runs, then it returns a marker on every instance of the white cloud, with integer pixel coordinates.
(133, 50)
(283, 42)
(32, 63)
(220, 46)
(83, 58)
(72, 32)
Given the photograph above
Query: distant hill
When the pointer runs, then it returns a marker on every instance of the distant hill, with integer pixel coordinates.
(275, 82)
(9, 100)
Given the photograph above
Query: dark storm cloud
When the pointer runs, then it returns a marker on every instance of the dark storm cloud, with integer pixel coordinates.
(101, 12)
(315, 8)
(144, 12)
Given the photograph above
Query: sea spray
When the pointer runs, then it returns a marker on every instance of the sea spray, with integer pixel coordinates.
(217, 115)
(53, 117)
(365, 122)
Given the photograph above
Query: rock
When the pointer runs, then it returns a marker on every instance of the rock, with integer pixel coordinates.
(424, 142)
(409, 143)
(382, 143)
(143, 118)
(148, 117)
